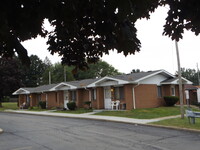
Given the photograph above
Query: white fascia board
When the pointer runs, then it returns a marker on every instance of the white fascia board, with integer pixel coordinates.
(94, 84)
(23, 92)
(176, 81)
(153, 74)
(187, 81)
(55, 88)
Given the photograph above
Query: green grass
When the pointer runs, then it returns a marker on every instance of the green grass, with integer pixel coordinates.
(36, 109)
(147, 113)
(180, 123)
(77, 111)
(9, 105)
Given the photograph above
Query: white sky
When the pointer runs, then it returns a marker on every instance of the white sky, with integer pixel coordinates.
(157, 51)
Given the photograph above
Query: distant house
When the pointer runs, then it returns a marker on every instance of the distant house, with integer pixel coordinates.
(136, 90)
(194, 93)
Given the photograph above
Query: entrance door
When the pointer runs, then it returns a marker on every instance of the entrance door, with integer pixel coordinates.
(66, 99)
(107, 98)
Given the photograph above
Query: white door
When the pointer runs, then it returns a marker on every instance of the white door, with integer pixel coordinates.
(107, 98)
(198, 95)
(66, 100)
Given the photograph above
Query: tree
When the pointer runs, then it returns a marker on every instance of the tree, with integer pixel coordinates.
(190, 74)
(88, 28)
(32, 76)
(83, 28)
(57, 74)
(99, 69)
(10, 77)
(182, 14)
(135, 70)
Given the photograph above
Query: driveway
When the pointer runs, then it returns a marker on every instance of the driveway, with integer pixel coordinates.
(28, 132)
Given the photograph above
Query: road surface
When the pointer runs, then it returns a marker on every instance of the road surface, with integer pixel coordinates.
(29, 132)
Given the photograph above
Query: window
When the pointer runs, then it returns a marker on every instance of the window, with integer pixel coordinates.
(73, 96)
(93, 94)
(159, 90)
(119, 93)
(173, 90)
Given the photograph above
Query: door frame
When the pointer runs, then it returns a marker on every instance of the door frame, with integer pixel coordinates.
(107, 97)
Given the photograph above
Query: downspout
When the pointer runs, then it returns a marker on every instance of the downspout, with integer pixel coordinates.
(134, 99)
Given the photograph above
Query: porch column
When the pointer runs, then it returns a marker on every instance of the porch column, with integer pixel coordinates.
(100, 98)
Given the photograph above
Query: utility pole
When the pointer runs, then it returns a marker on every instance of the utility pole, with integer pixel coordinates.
(49, 77)
(180, 82)
(198, 73)
(65, 76)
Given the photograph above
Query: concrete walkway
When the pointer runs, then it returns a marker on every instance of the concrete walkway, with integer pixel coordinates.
(91, 116)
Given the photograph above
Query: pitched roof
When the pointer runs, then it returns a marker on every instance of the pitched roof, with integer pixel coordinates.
(82, 83)
(43, 88)
(190, 87)
(175, 81)
(122, 79)
(135, 76)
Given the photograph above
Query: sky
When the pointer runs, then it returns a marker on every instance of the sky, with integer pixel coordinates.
(157, 51)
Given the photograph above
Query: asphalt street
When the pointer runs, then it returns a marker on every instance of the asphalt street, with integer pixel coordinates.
(29, 132)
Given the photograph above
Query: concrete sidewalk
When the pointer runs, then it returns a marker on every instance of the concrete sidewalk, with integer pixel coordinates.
(91, 116)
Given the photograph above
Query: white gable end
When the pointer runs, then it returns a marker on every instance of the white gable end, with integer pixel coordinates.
(154, 79)
(108, 83)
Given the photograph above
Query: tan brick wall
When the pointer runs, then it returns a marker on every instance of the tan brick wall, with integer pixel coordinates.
(60, 98)
(100, 97)
(79, 99)
(52, 100)
(146, 96)
(21, 99)
(128, 96)
(166, 89)
(43, 97)
(33, 99)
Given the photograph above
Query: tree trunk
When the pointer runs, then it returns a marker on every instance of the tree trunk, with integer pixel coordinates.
(0, 104)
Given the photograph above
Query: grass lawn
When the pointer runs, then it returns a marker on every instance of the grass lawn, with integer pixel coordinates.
(36, 109)
(77, 111)
(147, 113)
(9, 105)
(178, 122)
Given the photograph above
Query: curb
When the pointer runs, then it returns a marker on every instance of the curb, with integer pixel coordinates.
(173, 128)
(117, 121)
(1, 130)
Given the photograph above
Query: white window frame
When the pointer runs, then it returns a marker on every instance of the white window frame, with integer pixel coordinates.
(173, 91)
(159, 91)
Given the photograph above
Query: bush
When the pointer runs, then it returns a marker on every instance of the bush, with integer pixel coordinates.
(171, 100)
(6, 99)
(42, 104)
(71, 105)
(87, 104)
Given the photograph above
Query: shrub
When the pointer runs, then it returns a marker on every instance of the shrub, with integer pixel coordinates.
(42, 104)
(71, 105)
(87, 103)
(30, 108)
(171, 100)
(6, 99)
